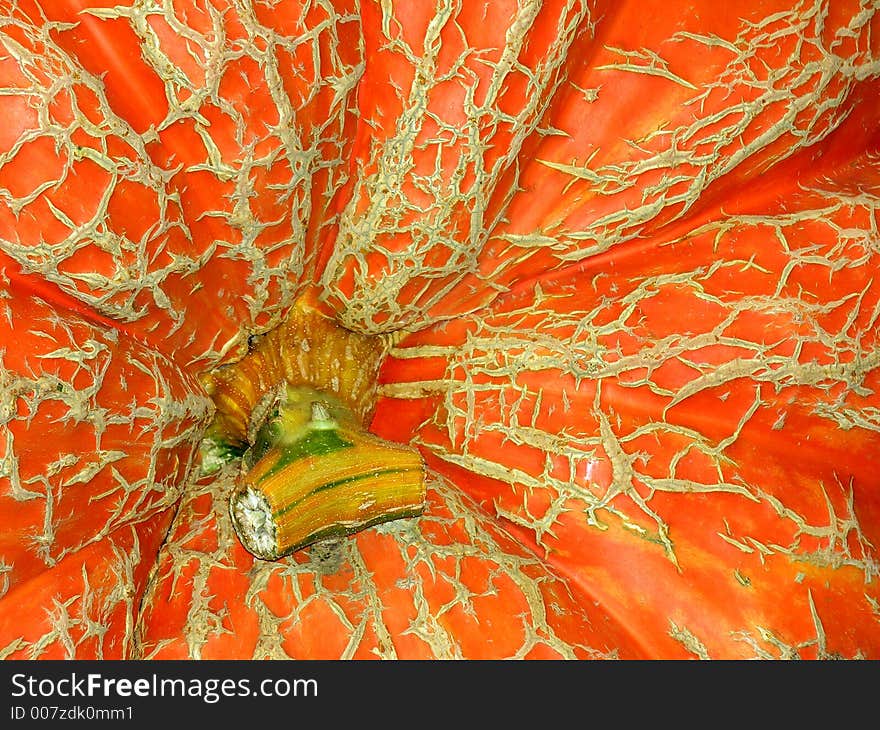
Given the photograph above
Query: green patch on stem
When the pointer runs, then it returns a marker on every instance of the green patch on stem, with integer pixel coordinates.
(215, 452)
(314, 443)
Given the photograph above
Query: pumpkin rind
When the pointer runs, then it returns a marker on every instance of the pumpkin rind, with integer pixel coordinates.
(98, 432)
(522, 137)
(97, 437)
(87, 606)
(448, 585)
(696, 434)
(173, 166)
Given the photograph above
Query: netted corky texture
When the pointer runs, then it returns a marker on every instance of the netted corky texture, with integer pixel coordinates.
(627, 252)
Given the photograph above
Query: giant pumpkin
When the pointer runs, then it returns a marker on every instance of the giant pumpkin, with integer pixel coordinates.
(619, 262)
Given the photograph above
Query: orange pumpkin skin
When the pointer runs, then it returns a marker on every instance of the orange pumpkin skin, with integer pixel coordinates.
(448, 585)
(627, 249)
(99, 436)
(690, 501)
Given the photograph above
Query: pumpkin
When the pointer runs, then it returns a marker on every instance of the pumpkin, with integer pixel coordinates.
(622, 255)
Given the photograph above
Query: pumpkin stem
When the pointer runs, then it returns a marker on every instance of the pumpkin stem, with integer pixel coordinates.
(295, 410)
(319, 475)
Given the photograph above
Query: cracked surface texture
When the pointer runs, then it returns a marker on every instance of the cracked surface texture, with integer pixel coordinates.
(418, 588)
(626, 255)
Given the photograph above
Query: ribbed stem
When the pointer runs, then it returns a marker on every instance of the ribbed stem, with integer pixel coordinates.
(320, 476)
(295, 411)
